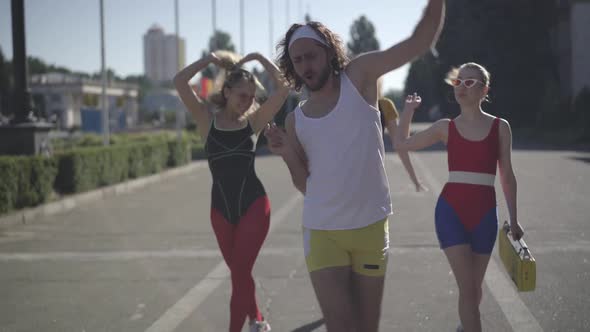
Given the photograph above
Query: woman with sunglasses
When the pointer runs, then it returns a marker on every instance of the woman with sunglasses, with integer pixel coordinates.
(466, 215)
(240, 209)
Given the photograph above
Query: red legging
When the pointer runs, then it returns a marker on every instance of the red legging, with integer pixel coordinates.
(239, 246)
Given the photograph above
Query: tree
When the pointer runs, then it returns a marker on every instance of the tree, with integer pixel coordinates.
(4, 74)
(144, 83)
(307, 18)
(582, 111)
(111, 75)
(421, 80)
(38, 66)
(140, 80)
(512, 39)
(219, 41)
(362, 37)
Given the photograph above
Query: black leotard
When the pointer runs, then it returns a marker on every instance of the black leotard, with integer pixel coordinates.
(231, 156)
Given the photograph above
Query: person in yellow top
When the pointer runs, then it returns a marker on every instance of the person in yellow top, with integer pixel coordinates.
(390, 118)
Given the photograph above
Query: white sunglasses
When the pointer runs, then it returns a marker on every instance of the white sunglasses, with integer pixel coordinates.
(468, 82)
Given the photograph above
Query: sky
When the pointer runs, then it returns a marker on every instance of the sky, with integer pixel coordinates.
(67, 32)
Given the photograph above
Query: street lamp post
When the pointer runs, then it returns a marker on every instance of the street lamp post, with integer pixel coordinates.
(22, 95)
(214, 15)
(242, 51)
(24, 134)
(106, 123)
(179, 114)
(270, 26)
(287, 14)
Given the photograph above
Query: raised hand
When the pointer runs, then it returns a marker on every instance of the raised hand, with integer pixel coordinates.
(214, 59)
(413, 101)
(222, 61)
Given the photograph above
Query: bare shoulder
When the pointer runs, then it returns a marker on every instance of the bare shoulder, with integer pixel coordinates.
(355, 73)
(441, 129)
(441, 125)
(442, 122)
(504, 123)
(353, 69)
(504, 127)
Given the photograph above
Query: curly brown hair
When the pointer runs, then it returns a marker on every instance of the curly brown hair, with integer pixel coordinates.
(335, 45)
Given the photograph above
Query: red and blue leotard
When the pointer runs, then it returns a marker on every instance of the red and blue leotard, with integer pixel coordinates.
(466, 211)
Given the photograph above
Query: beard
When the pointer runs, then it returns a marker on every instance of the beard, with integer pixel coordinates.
(322, 79)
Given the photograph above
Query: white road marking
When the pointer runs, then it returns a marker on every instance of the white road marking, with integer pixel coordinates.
(129, 255)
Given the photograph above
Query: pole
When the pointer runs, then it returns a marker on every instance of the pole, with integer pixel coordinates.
(287, 13)
(242, 27)
(105, 108)
(270, 32)
(22, 96)
(178, 109)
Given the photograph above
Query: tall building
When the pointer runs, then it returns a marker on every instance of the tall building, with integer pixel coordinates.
(159, 54)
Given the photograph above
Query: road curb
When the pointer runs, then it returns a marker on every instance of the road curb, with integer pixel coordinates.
(26, 216)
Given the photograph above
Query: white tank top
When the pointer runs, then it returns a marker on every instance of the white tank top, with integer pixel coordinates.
(347, 187)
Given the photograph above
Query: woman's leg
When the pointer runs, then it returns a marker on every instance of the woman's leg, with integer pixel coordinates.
(249, 237)
(461, 260)
(224, 232)
(483, 239)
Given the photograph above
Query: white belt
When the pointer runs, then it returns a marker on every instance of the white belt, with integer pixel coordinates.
(483, 179)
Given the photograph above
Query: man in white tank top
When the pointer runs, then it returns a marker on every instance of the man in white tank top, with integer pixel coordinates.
(333, 148)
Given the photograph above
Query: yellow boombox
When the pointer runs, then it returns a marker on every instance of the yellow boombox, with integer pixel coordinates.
(518, 260)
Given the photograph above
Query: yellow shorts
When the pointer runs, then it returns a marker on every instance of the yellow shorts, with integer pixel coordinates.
(364, 249)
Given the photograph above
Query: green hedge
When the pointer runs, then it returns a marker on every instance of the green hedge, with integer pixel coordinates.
(197, 147)
(89, 168)
(94, 140)
(29, 181)
(25, 181)
(179, 152)
(194, 144)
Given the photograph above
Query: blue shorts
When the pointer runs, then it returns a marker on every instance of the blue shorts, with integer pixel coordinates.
(451, 230)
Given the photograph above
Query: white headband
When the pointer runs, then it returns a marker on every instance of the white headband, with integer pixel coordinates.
(305, 31)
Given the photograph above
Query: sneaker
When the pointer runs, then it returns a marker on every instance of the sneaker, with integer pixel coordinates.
(259, 326)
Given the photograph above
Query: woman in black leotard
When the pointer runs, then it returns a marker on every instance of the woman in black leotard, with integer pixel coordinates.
(240, 209)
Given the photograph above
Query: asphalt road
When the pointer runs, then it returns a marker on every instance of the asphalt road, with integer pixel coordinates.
(148, 260)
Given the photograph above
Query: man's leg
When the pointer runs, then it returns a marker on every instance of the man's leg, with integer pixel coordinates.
(369, 263)
(368, 292)
(333, 289)
(331, 275)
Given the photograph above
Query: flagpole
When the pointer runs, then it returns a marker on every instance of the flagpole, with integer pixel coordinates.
(105, 109)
